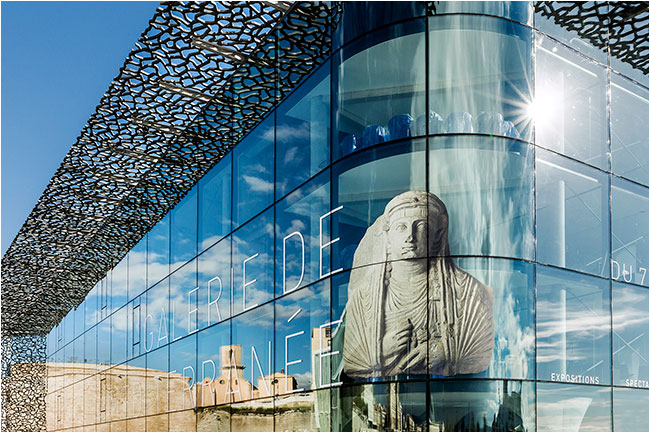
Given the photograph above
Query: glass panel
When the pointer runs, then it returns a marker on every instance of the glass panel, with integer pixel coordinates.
(158, 254)
(118, 335)
(92, 306)
(90, 350)
(251, 353)
(211, 419)
(214, 284)
(68, 327)
(572, 408)
(515, 10)
(79, 319)
(573, 327)
(299, 412)
(213, 373)
(182, 375)
(570, 108)
(136, 316)
(184, 421)
(215, 203)
(119, 284)
(158, 423)
(361, 17)
(252, 253)
(137, 379)
(629, 232)
(380, 88)
(546, 22)
(484, 85)
(91, 402)
(482, 406)
(631, 409)
(298, 239)
(253, 416)
(156, 323)
(629, 117)
(486, 185)
(514, 314)
(184, 230)
(630, 328)
(572, 215)
(253, 172)
(183, 301)
(116, 379)
(381, 407)
(302, 335)
(104, 343)
(138, 268)
(363, 186)
(157, 381)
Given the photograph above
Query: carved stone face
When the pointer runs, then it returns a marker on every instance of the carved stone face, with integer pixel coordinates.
(407, 234)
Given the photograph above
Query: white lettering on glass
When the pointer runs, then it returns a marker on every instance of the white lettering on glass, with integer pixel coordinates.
(192, 310)
(209, 384)
(284, 261)
(246, 284)
(327, 244)
(259, 366)
(162, 327)
(287, 363)
(216, 301)
(187, 385)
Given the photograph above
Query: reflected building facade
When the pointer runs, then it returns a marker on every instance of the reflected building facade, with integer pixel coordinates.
(237, 310)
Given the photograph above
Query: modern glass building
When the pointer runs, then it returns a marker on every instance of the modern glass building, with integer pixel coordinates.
(443, 226)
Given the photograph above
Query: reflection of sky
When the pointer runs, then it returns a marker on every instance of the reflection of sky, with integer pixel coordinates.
(573, 408)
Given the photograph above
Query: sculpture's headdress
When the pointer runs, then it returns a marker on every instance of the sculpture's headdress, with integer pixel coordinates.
(431, 208)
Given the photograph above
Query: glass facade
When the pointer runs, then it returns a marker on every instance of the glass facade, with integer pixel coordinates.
(444, 227)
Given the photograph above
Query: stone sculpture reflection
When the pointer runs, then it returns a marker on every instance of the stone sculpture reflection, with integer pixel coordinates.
(410, 314)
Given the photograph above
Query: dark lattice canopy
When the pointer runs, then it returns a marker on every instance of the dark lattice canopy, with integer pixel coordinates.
(199, 78)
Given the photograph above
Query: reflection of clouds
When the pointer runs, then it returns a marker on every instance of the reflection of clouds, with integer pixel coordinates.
(258, 185)
(580, 322)
(563, 408)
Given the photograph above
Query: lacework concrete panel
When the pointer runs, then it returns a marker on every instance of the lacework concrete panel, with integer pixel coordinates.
(199, 78)
(24, 383)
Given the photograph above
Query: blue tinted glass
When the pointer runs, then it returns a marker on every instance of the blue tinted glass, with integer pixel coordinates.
(183, 230)
(92, 306)
(156, 323)
(68, 327)
(572, 215)
(212, 364)
(482, 406)
(214, 284)
(252, 353)
(512, 283)
(573, 327)
(158, 252)
(302, 335)
(136, 315)
(215, 203)
(119, 283)
(361, 17)
(630, 409)
(298, 234)
(483, 85)
(182, 368)
(138, 268)
(363, 185)
(252, 252)
(380, 88)
(90, 347)
(486, 185)
(629, 232)
(302, 132)
(629, 123)
(119, 335)
(515, 10)
(573, 407)
(183, 301)
(253, 172)
(104, 342)
(630, 335)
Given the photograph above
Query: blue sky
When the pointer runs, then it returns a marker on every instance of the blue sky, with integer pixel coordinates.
(58, 58)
